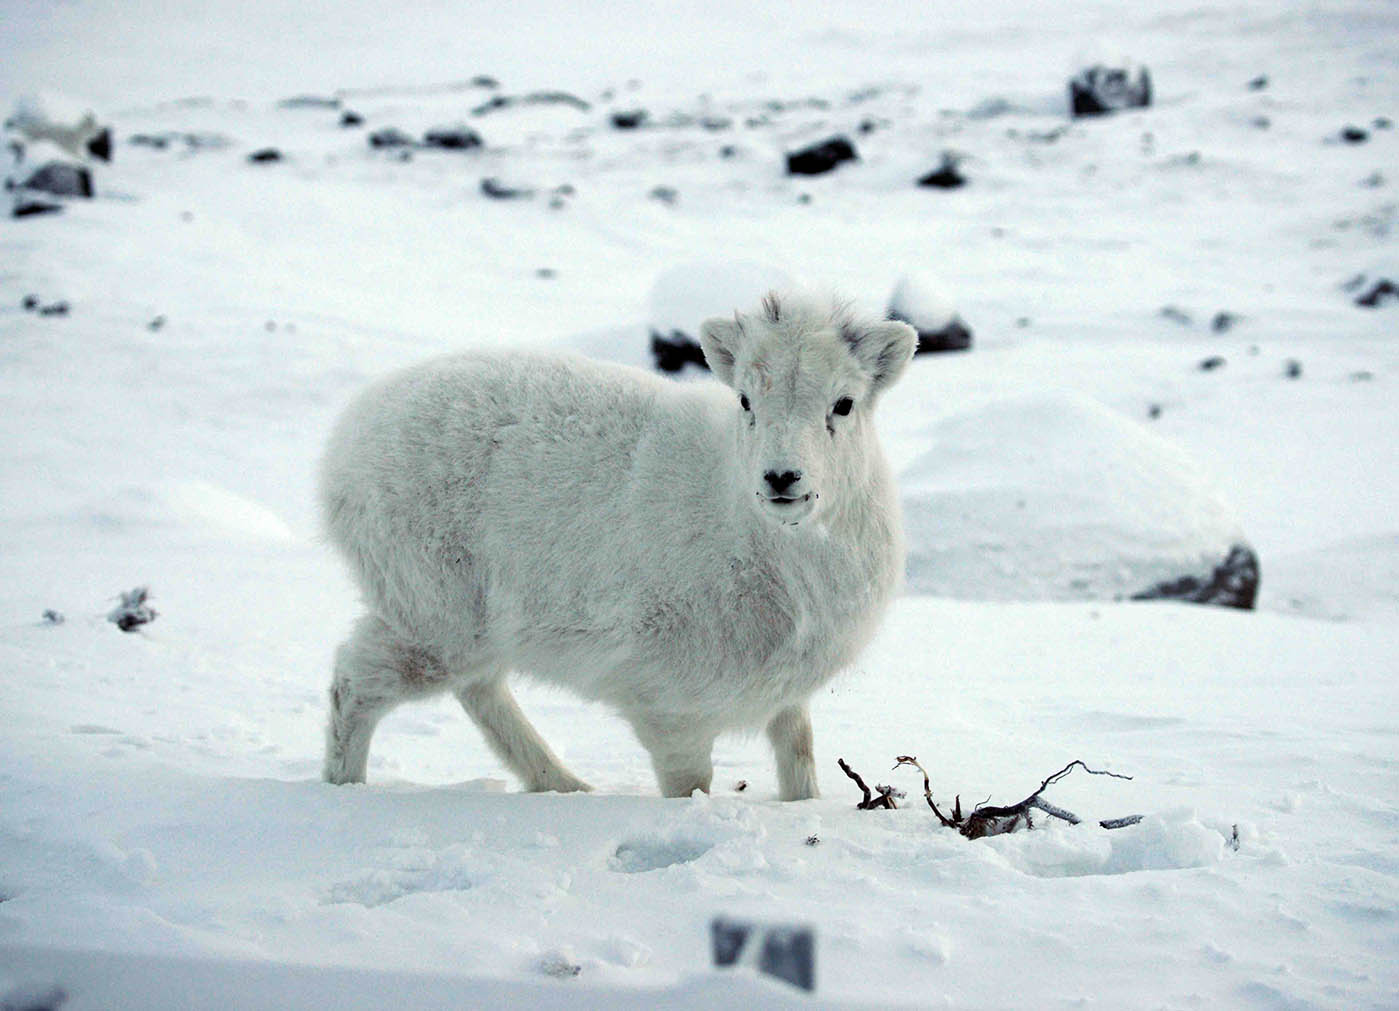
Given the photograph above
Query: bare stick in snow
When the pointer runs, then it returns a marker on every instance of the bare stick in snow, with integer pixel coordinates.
(886, 793)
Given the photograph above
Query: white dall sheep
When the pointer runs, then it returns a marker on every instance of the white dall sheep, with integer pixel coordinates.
(702, 559)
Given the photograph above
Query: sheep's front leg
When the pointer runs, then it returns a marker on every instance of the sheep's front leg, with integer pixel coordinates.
(681, 755)
(790, 734)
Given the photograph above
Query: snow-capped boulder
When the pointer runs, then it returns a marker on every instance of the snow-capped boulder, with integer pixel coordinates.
(684, 296)
(1100, 89)
(1056, 497)
(932, 314)
(63, 122)
(42, 167)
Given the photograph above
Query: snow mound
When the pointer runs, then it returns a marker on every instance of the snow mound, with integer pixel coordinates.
(686, 295)
(920, 305)
(1056, 497)
(1173, 840)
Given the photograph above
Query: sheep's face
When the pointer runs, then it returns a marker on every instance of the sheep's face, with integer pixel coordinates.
(805, 380)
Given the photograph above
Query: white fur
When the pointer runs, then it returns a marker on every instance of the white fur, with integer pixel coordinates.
(598, 527)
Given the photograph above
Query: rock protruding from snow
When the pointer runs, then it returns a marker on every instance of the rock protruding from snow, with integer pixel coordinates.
(62, 122)
(816, 159)
(1056, 497)
(1099, 90)
(932, 314)
(133, 611)
(685, 296)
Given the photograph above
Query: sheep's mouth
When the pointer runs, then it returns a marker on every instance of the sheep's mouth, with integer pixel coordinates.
(788, 509)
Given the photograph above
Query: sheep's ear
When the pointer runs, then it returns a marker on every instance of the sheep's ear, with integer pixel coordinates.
(883, 351)
(719, 337)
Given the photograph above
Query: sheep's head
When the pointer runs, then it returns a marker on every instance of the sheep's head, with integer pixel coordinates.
(807, 376)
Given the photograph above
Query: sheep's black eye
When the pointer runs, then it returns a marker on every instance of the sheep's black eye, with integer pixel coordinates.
(843, 406)
(743, 402)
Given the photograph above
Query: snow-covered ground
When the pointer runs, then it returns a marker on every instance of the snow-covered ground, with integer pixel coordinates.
(159, 793)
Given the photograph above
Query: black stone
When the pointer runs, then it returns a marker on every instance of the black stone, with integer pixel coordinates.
(1223, 322)
(351, 118)
(673, 353)
(1381, 123)
(54, 309)
(1354, 135)
(1381, 290)
(30, 303)
(453, 138)
(1258, 83)
(265, 156)
(1234, 583)
(389, 136)
(1293, 369)
(101, 145)
(1212, 363)
(955, 336)
(630, 119)
(1100, 90)
(497, 190)
(820, 158)
(309, 102)
(62, 179)
(946, 176)
(29, 207)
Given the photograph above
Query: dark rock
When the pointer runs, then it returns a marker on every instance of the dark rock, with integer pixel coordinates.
(1175, 315)
(156, 324)
(728, 151)
(350, 118)
(52, 617)
(955, 336)
(133, 611)
(1223, 322)
(497, 190)
(1373, 181)
(715, 123)
(484, 81)
(1354, 135)
(820, 158)
(1293, 369)
(804, 198)
(28, 207)
(101, 146)
(389, 137)
(1153, 411)
(946, 176)
(1261, 122)
(62, 179)
(1100, 90)
(156, 141)
(59, 308)
(673, 353)
(1234, 583)
(1212, 363)
(1381, 290)
(546, 273)
(668, 195)
(1361, 376)
(265, 156)
(497, 102)
(29, 303)
(867, 127)
(453, 138)
(630, 119)
(309, 102)
(1258, 83)
(1381, 123)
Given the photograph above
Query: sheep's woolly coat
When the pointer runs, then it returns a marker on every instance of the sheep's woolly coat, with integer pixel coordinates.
(601, 528)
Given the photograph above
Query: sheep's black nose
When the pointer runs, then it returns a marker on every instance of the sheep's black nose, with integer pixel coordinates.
(781, 482)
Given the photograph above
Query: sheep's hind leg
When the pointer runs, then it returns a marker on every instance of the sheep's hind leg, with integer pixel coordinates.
(513, 738)
(790, 734)
(374, 671)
